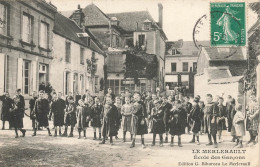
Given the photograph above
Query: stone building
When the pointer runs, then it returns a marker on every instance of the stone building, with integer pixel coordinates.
(181, 64)
(72, 48)
(220, 72)
(120, 32)
(26, 42)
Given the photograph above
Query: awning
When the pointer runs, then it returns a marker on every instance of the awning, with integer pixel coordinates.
(171, 78)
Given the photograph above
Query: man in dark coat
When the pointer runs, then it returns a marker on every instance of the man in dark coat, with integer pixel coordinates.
(110, 121)
(6, 105)
(42, 109)
(32, 113)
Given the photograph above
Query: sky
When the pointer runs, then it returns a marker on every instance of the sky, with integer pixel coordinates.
(179, 16)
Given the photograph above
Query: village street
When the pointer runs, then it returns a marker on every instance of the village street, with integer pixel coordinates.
(43, 150)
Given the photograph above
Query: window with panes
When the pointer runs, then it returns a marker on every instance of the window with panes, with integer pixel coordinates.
(26, 76)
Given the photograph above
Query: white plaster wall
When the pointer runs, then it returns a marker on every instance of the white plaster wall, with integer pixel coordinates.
(59, 66)
(201, 87)
(179, 61)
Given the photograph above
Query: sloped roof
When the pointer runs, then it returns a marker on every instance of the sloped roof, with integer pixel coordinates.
(174, 44)
(226, 80)
(225, 53)
(94, 16)
(186, 48)
(217, 73)
(128, 20)
(67, 28)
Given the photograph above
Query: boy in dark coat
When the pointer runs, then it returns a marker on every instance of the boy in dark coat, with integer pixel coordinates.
(166, 107)
(221, 119)
(228, 111)
(187, 107)
(110, 120)
(118, 104)
(230, 116)
(41, 110)
(57, 109)
(6, 105)
(31, 106)
(17, 116)
(195, 115)
(96, 117)
(138, 123)
(177, 122)
(70, 117)
(211, 114)
(156, 116)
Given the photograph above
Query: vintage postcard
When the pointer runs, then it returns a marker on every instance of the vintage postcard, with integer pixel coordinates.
(136, 83)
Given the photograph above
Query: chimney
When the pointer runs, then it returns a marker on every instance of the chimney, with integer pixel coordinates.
(160, 11)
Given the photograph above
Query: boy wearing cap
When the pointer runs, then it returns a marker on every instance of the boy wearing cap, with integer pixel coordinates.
(195, 119)
(211, 114)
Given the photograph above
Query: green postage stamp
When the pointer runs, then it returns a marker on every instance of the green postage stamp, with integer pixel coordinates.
(228, 24)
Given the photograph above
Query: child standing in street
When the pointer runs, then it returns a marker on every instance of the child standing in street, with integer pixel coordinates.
(177, 122)
(126, 112)
(210, 120)
(57, 109)
(158, 123)
(221, 119)
(81, 118)
(70, 117)
(195, 120)
(41, 110)
(110, 120)
(253, 119)
(118, 105)
(138, 123)
(17, 115)
(96, 117)
(239, 126)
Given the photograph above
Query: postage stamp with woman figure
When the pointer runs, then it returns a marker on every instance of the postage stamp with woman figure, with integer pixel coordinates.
(228, 24)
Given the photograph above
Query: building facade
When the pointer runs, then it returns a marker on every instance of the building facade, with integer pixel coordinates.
(181, 64)
(120, 32)
(26, 44)
(220, 72)
(71, 54)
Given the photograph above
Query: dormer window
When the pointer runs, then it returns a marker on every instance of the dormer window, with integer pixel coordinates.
(147, 24)
(174, 51)
(114, 21)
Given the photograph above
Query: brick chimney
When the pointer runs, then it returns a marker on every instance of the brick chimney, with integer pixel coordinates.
(78, 17)
(160, 11)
